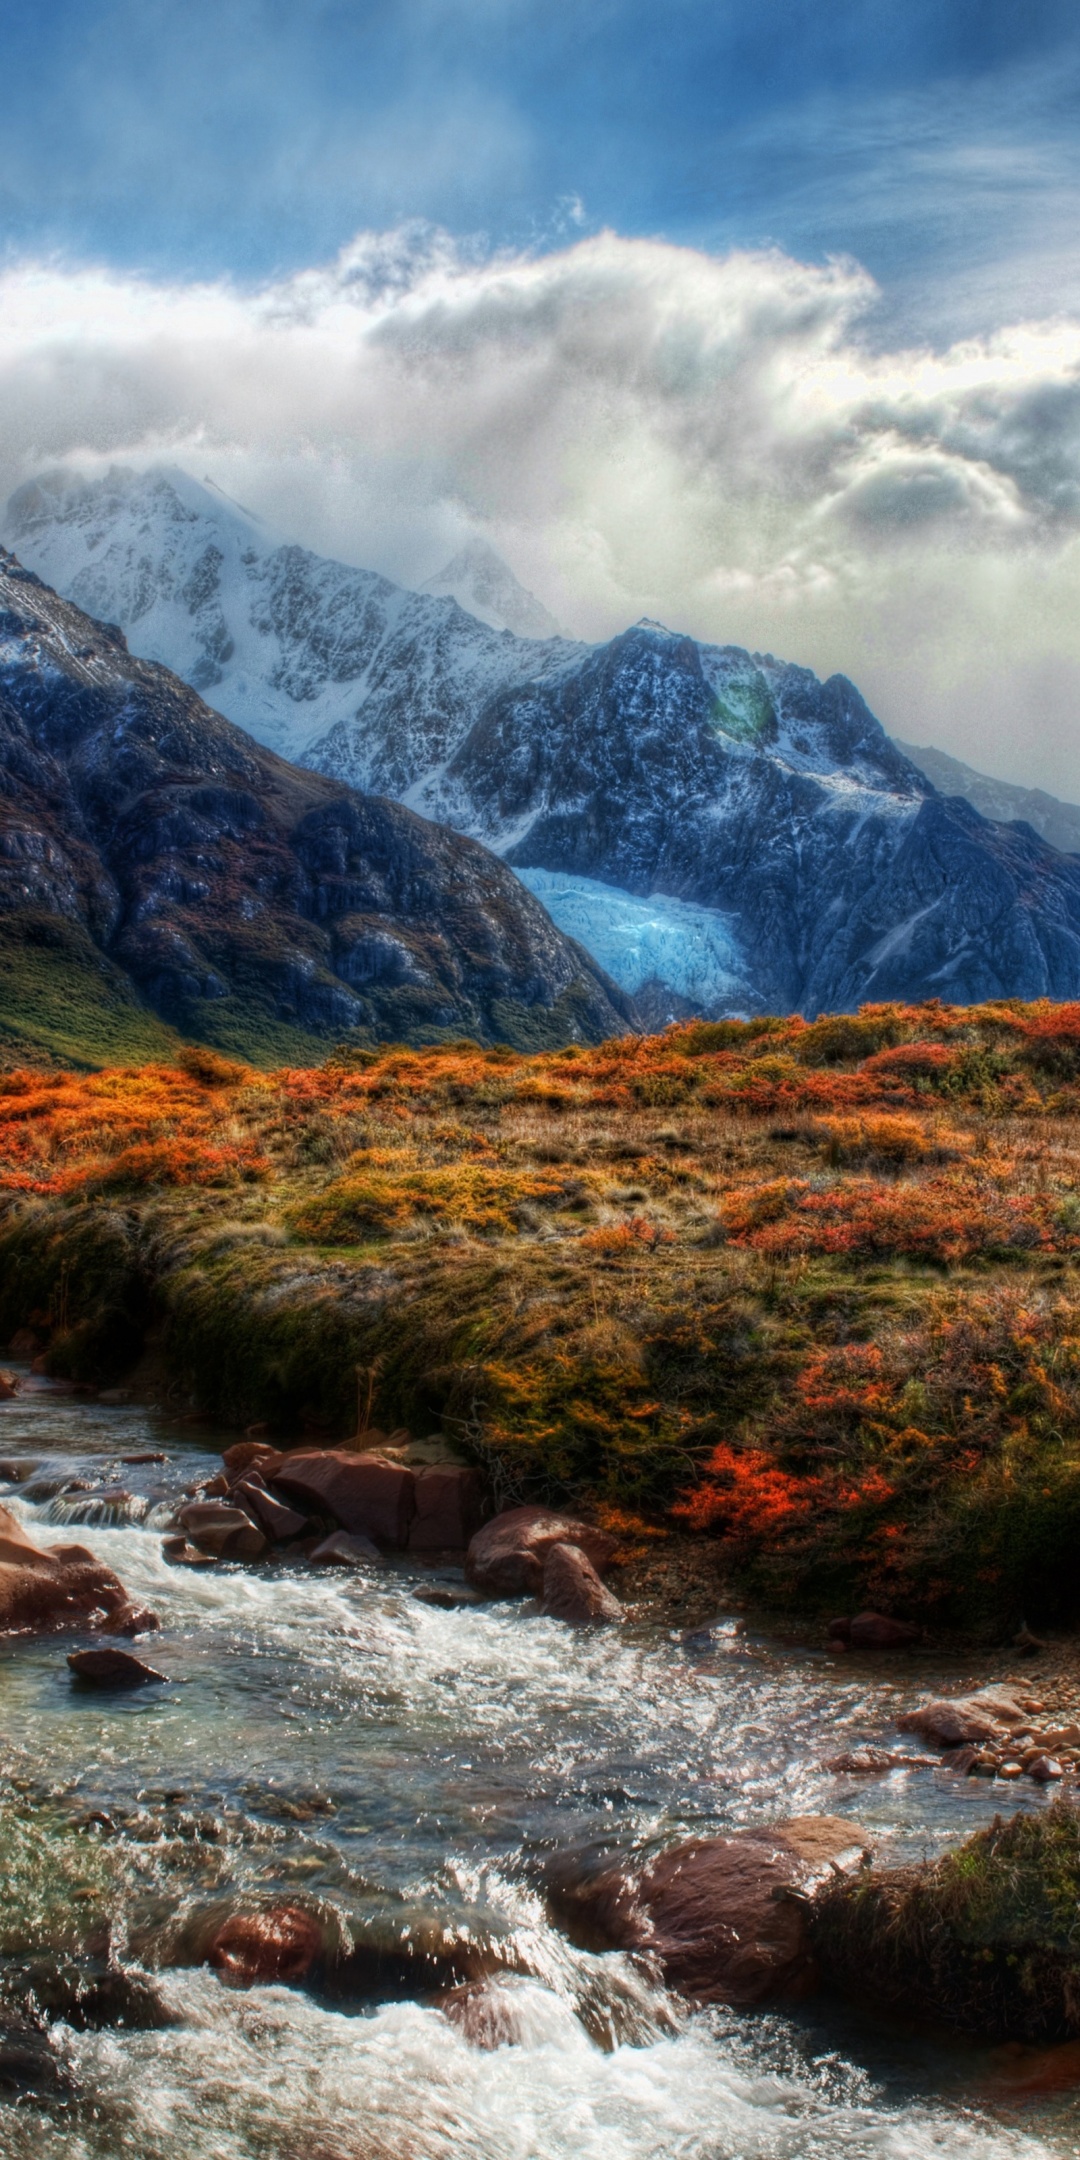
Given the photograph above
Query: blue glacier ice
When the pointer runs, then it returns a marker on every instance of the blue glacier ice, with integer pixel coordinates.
(689, 948)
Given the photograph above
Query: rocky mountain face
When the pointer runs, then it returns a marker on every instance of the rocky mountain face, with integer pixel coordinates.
(1055, 821)
(247, 902)
(721, 830)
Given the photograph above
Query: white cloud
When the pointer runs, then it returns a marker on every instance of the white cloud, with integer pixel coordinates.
(642, 429)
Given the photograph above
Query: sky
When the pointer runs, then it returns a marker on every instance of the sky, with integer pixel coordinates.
(756, 316)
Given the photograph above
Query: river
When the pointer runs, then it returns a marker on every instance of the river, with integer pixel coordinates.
(330, 1737)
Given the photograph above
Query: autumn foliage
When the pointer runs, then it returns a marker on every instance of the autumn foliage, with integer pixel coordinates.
(808, 1288)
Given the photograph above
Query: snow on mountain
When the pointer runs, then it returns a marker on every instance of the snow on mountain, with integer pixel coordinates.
(287, 644)
(485, 586)
(1055, 821)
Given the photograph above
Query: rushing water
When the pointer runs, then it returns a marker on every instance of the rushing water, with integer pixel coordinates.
(330, 1738)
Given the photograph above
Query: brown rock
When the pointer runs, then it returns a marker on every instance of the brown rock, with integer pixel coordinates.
(215, 1488)
(725, 1917)
(131, 1619)
(345, 1548)
(111, 1668)
(15, 1471)
(572, 1589)
(874, 1761)
(217, 1527)
(365, 1493)
(279, 1944)
(244, 1453)
(180, 1554)
(63, 1586)
(876, 1631)
(506, 1558)
(9, 1385)
(1045, 1769)
(485, 2014)
(449, 1508)
(279, 1521)
(951, 1721)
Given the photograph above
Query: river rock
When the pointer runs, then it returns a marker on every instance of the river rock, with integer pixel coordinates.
(131, 1619)
(279, 1944)
(449, 1500)
(246, 1454)
(486, 2014)
(345, 1548)
(280, 1522)
(9, 1385)
(112, 1668)
(14, 1470)
(364, 1493)
(63, 1586)
(447, 1597)
(506, 1558)
(218, 1528)
(572, 1589)
(951, 1721)
(725, 1918)
(875, 1631)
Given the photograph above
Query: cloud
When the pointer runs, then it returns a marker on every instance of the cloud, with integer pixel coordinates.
(641, 428)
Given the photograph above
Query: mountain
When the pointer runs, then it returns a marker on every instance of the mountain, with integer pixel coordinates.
(721, 830)
(160, 870)
(479, 580)
(290, 644)
(1056, 822)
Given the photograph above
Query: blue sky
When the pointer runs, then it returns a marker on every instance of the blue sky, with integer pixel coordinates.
(936, 140)
(761, 317)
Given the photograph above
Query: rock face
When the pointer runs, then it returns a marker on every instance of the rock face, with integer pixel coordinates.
(450, 1508)
(507, 1557)
(154, 847)
(746, 835)
(726, 1917)
(572, 1589)
(64, 1587)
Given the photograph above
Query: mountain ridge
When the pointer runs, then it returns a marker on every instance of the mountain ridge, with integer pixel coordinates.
(194, 878)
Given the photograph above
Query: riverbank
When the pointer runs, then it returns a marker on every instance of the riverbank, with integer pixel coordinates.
(805, 1294)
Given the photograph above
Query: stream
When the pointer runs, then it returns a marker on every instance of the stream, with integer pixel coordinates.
(326, 1737)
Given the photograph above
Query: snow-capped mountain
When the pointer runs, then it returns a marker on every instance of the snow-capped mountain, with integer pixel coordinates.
(479, 580)
(722, 830)
(286, 643)
(1055, 821)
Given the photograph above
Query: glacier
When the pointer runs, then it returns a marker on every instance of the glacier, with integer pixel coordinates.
(691, 950)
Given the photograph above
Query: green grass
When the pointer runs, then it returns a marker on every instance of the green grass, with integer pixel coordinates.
(61, 1000)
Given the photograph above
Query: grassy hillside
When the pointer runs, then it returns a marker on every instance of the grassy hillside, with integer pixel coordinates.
(811, 1291)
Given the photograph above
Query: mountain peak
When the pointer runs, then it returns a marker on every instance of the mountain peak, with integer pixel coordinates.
(485, 586)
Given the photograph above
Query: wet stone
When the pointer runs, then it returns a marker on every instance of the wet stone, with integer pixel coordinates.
(112, 1668)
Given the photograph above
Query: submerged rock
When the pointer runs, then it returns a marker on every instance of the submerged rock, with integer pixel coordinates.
(280, 1943)
(950, 1721)
(347, 1549)
(63, 1586)
(507, 1557)
(873, 1631)
(572, 1589)
(112, 1668)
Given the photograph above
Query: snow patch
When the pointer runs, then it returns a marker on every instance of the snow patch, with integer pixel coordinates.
(690, 949)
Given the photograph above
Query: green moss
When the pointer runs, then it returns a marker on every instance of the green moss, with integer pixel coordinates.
(76, 1272)
(987, 1939)
(61, 997)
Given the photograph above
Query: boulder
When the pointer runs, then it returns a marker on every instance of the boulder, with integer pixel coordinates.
(218, 1528)
(873, 1631)
(572, 1589)
(247, 1453)
(179, 1553)
(506, 1558)
(279, 1521)
(61, 1586)
(447, 1597)
(280, 1943)
(952, 1721)
(449, 1500)
(362, 1491)
(725, 1918)
(131, 1619)
(345, 1548)
(15, 1470)
(488, 2015)
(112, 1668)
(9, 1385)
